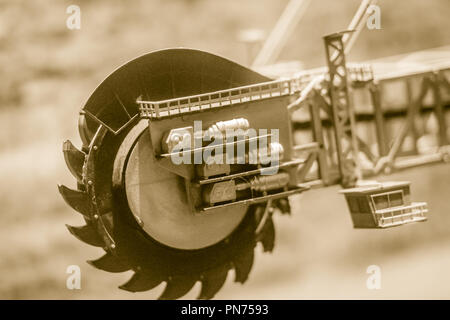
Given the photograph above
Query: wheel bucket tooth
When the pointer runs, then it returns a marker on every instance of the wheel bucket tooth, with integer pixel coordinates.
(212, 282)
(141, 281)
(85, 134)
(242, 266)
(268, 236)
(284, 206)
(86, 234)
(109, 263)
(77, 200)
(177, 287)
(74, 159)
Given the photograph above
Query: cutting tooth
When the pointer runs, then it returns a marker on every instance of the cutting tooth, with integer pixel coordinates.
(86, 234)
(177, 287)
(212, 282)
(74, 159)
(242, 266)
(284, 206)
(109, 263)
(268, 236)
(142, 281)
(78, 200)
(85, 134)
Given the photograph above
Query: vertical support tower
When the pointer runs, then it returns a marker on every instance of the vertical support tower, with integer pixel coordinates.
(342, 110)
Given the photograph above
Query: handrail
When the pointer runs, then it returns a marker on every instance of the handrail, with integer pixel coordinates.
(264, 90)
(259, 91)
(416, 205)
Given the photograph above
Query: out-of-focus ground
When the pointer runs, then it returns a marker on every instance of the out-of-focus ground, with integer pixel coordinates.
(48, 72)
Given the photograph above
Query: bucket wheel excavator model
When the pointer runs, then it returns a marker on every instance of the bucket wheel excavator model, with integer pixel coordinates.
(186, 156)
(172, 223)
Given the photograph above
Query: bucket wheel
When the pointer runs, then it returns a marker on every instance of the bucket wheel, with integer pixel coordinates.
(135, 210)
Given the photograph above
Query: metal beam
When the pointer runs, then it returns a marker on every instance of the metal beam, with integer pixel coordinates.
(281, 32)
(358, 22)
(348, 39)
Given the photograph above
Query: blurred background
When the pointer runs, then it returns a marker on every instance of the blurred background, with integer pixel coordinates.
(48, 72)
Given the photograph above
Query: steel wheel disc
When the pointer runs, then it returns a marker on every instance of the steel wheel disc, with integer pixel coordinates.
(157, 198)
